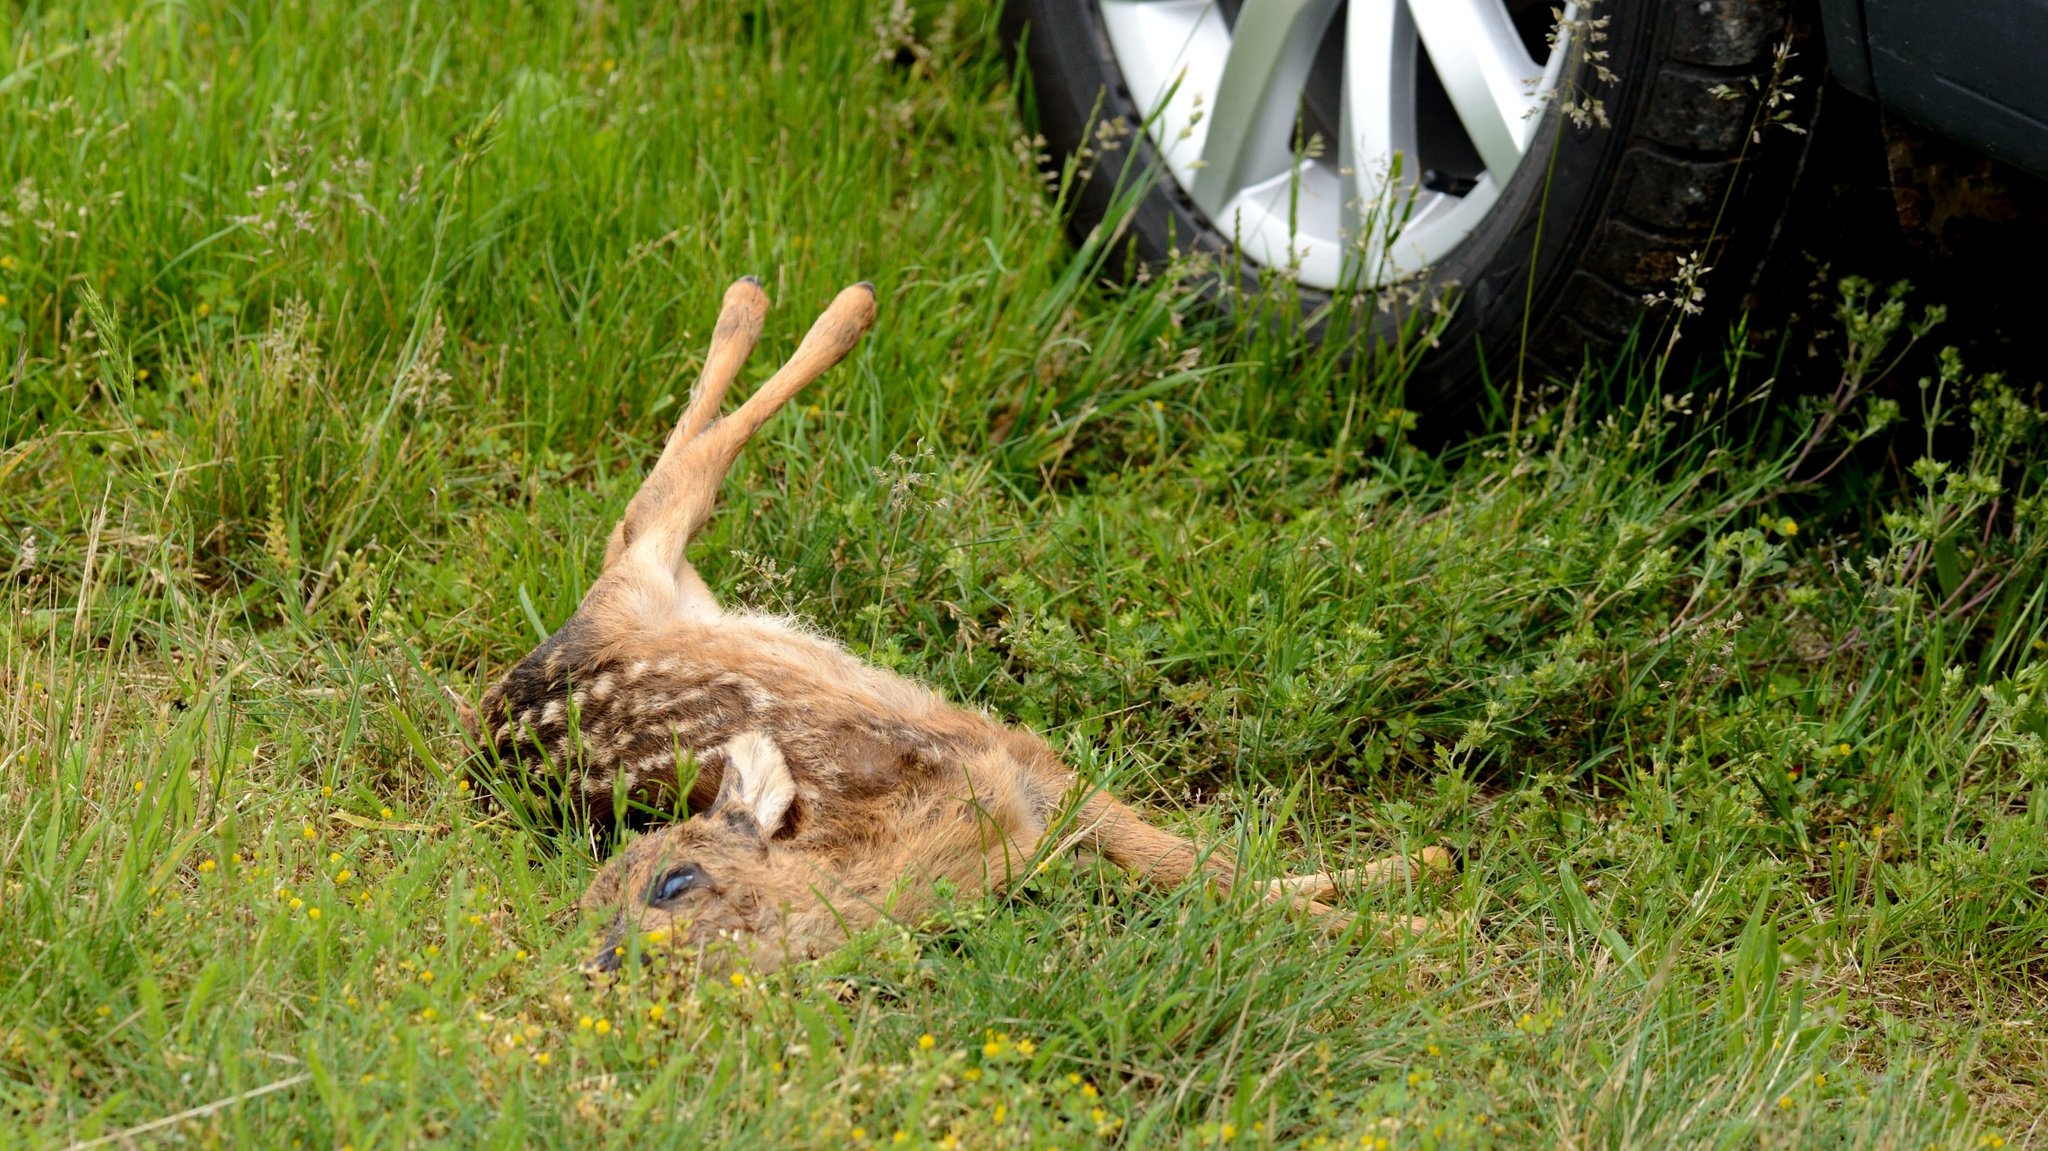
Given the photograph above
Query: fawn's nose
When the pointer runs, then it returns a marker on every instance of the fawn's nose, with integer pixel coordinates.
(604, 962)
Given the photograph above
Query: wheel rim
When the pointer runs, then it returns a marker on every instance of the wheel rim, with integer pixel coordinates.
(1415, 80)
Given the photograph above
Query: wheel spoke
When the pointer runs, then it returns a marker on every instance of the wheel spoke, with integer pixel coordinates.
(1488, 74)
(1377, 157)
(1251, 119)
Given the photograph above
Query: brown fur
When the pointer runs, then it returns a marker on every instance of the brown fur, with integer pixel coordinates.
(828, 793)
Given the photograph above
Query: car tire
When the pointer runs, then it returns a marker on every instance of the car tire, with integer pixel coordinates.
(1685, 167)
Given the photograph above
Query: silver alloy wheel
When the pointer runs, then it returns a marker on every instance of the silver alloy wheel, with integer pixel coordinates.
(1222, 98)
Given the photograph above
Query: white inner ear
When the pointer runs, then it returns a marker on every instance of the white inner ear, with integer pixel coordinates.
(758, 778)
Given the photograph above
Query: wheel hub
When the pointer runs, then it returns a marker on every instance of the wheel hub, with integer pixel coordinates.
(1432, 105)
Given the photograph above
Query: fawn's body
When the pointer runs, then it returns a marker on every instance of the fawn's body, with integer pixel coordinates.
(832, 792)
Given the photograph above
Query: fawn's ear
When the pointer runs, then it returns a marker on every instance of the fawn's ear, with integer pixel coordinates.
(757, 788)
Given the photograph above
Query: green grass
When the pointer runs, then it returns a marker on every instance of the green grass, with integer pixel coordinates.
(1744, 749)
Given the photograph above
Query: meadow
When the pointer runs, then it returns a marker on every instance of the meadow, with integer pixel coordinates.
(336, 335)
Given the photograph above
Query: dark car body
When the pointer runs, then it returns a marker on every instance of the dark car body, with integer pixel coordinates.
(1973, 70)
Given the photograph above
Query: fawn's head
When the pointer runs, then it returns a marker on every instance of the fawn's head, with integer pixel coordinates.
(712, 890)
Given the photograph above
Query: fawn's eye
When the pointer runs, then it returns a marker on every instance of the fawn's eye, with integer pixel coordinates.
(688, 877)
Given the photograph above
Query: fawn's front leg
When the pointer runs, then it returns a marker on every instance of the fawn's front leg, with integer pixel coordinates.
(738, 329)
(648, 580)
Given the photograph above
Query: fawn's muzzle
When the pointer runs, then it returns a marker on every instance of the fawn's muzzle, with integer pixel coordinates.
(611, 958)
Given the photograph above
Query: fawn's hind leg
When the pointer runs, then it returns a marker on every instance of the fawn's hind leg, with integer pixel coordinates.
(1388, 871)
(648, 579)
(1115, 830)
(1165, 859)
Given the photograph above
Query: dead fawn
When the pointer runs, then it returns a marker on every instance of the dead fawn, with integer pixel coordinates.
(827, 793)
